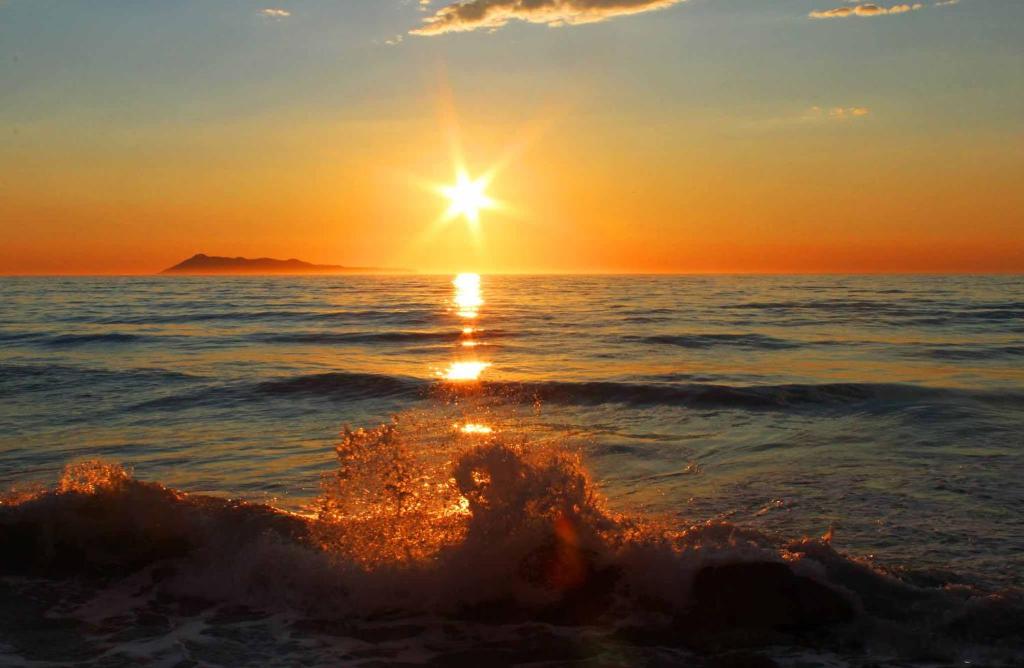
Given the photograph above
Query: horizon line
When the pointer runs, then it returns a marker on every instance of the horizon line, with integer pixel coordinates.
(412, 272)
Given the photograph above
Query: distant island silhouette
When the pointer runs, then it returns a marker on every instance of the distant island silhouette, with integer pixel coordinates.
(201, 263)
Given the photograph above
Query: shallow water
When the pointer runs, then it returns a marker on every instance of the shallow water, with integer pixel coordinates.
(885, 409)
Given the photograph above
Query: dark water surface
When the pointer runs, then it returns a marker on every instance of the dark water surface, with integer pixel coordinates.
(889, 408)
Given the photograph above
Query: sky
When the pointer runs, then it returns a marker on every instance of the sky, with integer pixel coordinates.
(615, 135)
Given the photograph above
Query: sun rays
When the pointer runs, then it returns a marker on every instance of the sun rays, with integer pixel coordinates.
(467, 197)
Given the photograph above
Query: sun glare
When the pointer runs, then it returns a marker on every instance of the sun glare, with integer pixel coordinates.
(467, 197)
(465, 371)
(474, 428)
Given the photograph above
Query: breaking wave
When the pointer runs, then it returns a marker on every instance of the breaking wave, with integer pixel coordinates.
(417, 521)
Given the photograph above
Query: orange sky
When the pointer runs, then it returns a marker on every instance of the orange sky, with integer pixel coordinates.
(633, 202)
(673, 172)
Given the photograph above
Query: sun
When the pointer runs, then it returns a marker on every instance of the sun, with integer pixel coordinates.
(467, 197)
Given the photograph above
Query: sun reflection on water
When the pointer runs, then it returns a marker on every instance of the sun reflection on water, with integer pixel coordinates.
(468, 298)
(467, 365)
(465, 370)
(474, 428)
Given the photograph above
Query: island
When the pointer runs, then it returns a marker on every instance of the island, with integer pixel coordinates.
(202, 264)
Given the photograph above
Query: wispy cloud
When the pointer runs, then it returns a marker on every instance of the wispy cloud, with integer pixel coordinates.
(820, 117)
(866, 10)
(469, 15)
(275, 13)
(838, 113)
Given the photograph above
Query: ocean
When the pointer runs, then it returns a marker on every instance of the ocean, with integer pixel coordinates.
(500, 470)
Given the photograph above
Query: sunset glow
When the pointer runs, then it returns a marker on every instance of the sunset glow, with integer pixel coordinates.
(448, 140)
(477, 332)
(498, 158)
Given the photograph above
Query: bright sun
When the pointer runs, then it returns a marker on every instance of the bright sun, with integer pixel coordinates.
(467, 197)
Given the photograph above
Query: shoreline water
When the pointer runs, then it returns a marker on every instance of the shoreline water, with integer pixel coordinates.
(510, 556)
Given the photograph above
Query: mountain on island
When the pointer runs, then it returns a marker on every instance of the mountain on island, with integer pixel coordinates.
(211, 264)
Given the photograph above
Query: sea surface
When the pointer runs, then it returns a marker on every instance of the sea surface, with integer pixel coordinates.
(883, 413)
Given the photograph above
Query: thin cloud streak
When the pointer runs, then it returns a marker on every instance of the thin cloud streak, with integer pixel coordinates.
(865, 10)
(840, 113)
(469, 15)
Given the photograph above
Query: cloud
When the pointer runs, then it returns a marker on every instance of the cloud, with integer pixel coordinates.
(865, 10)
(467, 15)
(840, 113)
(837, 113)
(275, 13)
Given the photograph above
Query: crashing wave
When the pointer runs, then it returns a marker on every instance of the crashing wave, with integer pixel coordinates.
(495, 528)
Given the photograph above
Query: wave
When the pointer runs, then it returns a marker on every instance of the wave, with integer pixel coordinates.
(107, 338)
(765, 397)
(199, 316)
(404, 317)
(906, 312)
(749, 341)
(337, 385)
(57, 376)
(327, 338)
(15, 337)
(876, 397)
(824, 304)
(493, 531)
(966, 352)
(185, 391)
(71, 340)
(180, 391)
(415, 336)
(343, 385)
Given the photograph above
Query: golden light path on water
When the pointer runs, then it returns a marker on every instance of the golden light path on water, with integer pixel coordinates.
(467, 301)
(468, 298)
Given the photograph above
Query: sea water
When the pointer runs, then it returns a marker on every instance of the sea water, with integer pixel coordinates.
(884, 412)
